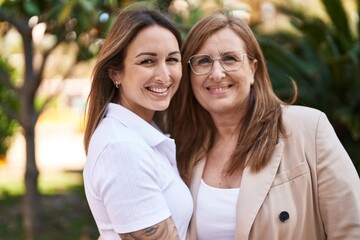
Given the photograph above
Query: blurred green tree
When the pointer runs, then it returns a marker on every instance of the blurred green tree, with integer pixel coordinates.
(7, 101)
(83, 22)
(323, 57)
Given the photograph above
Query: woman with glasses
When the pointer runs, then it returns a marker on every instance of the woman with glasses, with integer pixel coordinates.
(131, 180)
(258, 168)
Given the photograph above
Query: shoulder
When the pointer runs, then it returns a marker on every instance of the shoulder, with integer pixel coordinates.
(114, 143)
(302, 112)
(302, 123)
(112, 132)
(294, 116)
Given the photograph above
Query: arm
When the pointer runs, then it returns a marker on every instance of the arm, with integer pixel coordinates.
(164, 230)
(338, 185)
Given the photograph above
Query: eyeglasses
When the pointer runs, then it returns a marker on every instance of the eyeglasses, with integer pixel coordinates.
(230, 61)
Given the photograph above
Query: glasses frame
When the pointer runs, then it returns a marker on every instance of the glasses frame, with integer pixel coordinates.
(243, 55)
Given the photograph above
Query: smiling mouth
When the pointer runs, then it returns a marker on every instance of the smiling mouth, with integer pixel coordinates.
(158, 89)
(218, 89)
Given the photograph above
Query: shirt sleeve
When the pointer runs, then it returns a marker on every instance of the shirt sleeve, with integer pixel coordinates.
(338, 184)
(126, 178)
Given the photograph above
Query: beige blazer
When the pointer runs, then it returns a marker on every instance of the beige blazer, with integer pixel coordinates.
(309, 189)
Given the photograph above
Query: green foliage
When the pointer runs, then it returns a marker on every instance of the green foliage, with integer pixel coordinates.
(324, 59)
(8, 125)
(69, 21)
(7, 130)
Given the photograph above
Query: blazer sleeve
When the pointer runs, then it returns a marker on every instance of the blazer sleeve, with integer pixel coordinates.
(338, 185)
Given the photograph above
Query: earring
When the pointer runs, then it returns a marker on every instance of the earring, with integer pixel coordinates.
(116, 84)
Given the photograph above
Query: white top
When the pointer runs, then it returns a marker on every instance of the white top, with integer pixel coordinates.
(216, 212)
(130, 177)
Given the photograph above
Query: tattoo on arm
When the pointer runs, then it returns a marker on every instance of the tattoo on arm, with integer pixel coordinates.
(165, 230)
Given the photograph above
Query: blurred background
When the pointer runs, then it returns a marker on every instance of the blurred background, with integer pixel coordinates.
(47, 52)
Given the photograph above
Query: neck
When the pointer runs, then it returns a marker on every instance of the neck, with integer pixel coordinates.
(227, 126)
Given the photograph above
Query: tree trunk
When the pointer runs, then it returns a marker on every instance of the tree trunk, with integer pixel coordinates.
(32, 209)
(32, 212)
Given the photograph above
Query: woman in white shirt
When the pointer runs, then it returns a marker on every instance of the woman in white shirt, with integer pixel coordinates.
(131, 179)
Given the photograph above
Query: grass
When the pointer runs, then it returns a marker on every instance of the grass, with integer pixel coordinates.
(66, 213)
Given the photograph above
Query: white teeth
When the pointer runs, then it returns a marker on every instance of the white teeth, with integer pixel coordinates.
(158, 90)
(220, 89)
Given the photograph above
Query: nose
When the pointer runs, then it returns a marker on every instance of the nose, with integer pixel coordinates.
(217, 72)
(163, 73)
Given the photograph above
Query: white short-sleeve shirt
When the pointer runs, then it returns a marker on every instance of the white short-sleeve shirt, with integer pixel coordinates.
(130, 176)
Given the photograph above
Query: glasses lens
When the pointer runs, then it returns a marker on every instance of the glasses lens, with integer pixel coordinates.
(201, 64)
(232, 61)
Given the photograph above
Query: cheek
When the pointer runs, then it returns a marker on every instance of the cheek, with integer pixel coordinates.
(196, 85)
(176, 72)
(245, 85)
(245, 77)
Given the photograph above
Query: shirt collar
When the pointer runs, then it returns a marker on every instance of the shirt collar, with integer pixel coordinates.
(149, 132)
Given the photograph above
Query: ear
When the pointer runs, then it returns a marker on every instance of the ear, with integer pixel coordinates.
(253, 67)
(115, 75)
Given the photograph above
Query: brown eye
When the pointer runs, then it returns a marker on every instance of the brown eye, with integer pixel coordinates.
(173, 60)
(146, 61)
(203, 60)
(229, 59)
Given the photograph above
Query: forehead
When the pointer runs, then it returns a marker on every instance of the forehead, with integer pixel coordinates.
(153, 39)
(223, 40)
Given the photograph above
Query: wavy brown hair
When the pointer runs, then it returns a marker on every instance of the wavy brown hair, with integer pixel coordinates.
(192, 126)
(127, 24)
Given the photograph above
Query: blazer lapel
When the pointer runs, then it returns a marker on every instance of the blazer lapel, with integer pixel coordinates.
(253, 190)
(194, 188)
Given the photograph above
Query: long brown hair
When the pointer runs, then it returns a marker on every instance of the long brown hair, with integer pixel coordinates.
(127, 24)
(191, 125)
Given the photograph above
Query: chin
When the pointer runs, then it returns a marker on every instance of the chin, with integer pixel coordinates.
(160, 107)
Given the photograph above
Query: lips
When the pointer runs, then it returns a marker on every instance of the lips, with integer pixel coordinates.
(218, 89)
(157, 89)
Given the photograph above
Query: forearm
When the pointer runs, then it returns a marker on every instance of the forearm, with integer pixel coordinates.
(164, 230)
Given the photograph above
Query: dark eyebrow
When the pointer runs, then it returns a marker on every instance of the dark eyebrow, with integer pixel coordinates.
(146, 53)
(174, 52)
(155, 54)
